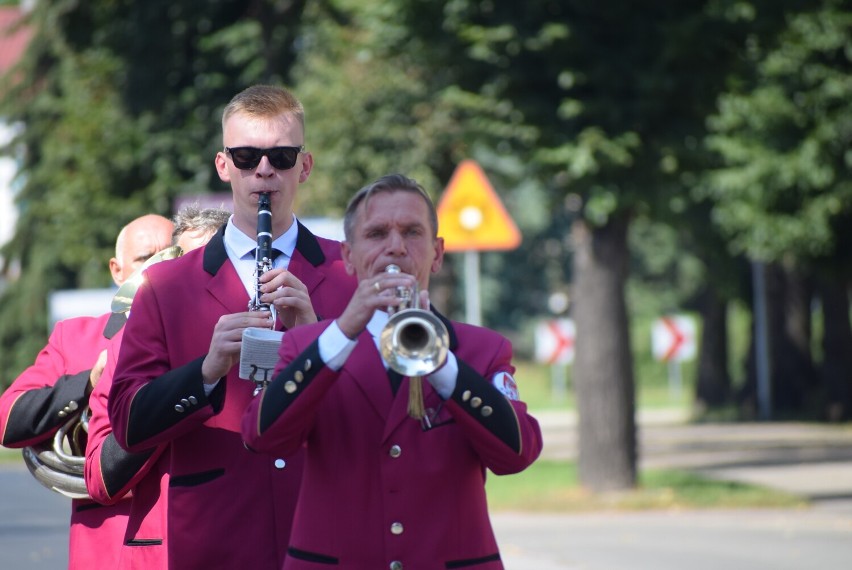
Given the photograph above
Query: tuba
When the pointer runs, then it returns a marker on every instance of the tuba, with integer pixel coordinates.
(414, 342)
(58, 463)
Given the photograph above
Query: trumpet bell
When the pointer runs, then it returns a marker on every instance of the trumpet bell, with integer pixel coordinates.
(414, 342)
(124, 296)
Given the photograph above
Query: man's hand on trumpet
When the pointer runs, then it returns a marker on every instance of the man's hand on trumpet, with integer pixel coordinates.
(377, 292)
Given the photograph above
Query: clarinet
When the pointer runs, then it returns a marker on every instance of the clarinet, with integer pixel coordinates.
(263, 253)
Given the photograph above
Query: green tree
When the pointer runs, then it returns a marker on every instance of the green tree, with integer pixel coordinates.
(614, 95)
(120, 104)
(598, 100)
(783, 194)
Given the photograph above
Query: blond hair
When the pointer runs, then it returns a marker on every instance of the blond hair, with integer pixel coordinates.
(264, 101)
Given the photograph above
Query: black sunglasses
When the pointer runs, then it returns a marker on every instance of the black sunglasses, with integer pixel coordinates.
(280, 157)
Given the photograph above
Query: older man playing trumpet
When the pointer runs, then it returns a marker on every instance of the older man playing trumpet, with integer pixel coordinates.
(383, 489)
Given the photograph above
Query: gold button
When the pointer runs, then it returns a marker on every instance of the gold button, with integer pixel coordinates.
(486, 411)
(299, 376)
(62, 413)
(395, 451)
(72, 405)
(396, 528)
(396, 565)
(466, 395)
(475, 402)
(289, 386)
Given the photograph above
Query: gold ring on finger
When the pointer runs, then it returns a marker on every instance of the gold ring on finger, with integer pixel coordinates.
(377, 287)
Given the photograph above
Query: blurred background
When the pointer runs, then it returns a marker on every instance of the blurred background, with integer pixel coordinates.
(679, 172)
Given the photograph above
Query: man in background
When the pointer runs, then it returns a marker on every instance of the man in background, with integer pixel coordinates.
(112, 472)
(57, 387)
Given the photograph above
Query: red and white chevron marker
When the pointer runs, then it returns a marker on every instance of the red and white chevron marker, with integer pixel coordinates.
(673, 338)
(554, 341)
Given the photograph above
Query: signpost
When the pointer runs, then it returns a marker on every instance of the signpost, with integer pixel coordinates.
(673, 340)
(554, 345)
(471, 219)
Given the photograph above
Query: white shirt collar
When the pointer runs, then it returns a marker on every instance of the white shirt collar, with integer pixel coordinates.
(241, 245)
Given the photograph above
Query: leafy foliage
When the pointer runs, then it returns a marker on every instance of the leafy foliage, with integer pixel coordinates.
(784, 136)
(121, 103)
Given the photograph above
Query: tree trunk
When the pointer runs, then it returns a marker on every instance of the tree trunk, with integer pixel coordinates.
(714, 382)
(793, 373)
(603, 366)
(837, 347)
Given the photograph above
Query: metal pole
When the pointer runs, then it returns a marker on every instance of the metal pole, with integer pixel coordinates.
(675, 380)
(473, 312)
(559, 382)
(761, 327)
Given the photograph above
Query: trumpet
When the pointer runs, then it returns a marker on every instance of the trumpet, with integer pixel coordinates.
(414, 342)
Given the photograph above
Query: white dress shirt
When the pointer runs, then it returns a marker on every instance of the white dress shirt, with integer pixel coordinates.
(240, 249)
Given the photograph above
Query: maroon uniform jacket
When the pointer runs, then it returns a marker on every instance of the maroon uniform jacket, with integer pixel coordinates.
(227, 507)
(382, 490)
(38, 403)
(111, 472)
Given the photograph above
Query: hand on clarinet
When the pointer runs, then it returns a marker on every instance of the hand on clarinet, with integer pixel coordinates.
(289, 296)
(227, 341)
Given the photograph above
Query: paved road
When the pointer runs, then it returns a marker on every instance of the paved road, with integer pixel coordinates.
(33, 523)
(705, 540)
(812, 460)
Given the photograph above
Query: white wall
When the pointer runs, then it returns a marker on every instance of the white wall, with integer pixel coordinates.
(8, 212)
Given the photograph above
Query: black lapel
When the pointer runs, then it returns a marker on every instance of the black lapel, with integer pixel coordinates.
(309, 246)
(454, 341)
(214, 252)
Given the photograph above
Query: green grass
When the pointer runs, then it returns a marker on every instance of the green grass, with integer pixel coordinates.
(656, 383)
(552, 486)
(9, 456)
(653, 392)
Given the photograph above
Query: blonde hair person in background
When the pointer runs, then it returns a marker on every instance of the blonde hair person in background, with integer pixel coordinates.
(111, 472)
(177, 376)
(59, 383)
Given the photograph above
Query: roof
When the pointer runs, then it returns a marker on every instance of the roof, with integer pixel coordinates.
(12, 44)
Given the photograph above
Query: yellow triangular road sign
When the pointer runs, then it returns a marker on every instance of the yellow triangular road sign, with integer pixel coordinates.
(471, 215)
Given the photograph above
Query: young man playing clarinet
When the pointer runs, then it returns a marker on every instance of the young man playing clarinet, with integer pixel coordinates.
(176, 379)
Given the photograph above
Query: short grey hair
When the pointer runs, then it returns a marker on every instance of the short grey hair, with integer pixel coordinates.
(387, 183)
(192, 217)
